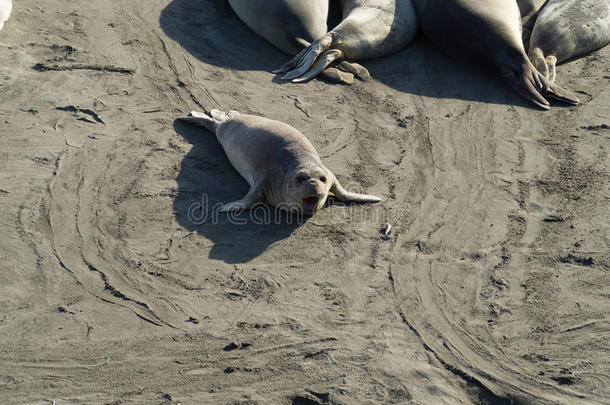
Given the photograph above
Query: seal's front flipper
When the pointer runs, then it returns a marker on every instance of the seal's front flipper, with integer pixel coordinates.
(347, 196)
(238, 205)
(253, 197)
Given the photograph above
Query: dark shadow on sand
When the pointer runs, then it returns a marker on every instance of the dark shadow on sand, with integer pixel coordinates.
(210, 31)
(206, 180)
(422, 69)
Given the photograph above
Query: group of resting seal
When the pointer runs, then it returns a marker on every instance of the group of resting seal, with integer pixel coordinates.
(281, 165)
(486, 33)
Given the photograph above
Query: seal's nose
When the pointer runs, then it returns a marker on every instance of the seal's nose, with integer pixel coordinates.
(312, 187)
(317, 186)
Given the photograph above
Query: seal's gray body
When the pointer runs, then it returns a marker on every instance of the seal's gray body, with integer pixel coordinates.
(487, 33)
(568, 28)
(529, 11)
(373, 28)
(279, 163)
(261, 149)
(289, 25)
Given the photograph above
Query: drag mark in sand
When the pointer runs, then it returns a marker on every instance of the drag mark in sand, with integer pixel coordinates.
(45, 67)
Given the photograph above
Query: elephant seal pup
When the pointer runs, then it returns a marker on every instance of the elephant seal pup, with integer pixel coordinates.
(369, 29)
(289, 25)
(278, 162)
(488, 33)
(6, 6)
(568, 28)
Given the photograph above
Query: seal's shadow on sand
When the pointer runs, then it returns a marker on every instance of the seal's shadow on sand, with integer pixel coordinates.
(206, 180)
(210, 31)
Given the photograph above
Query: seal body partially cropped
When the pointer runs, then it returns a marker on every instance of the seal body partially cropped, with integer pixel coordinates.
(279, 163)
(568, 28)
(529, 11)
(6, 6)
(488, 34)
(291, 26)
(369, 29)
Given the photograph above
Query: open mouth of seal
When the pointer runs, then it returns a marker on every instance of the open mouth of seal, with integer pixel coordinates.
(310, 203)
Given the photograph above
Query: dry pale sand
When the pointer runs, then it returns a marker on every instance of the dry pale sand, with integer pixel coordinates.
(493, 286)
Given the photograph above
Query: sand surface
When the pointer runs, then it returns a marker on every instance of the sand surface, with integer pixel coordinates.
(118, 285)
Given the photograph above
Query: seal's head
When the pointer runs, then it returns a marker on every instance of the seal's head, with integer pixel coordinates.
(309, 189)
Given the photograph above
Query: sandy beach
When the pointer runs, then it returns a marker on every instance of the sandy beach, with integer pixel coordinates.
(119, 284)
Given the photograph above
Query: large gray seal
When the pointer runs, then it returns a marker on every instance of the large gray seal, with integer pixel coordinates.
(568, 28)
(291, 26)
(279, 163)
(369, 29)
(488, 33)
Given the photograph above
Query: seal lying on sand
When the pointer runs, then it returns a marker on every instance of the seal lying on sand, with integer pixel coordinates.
(568, 28)
(488, 33)
(369, 29)
(278, 162)
(291, 26)
(6, 6)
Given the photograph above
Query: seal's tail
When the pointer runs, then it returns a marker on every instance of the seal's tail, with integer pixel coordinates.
(208, 121)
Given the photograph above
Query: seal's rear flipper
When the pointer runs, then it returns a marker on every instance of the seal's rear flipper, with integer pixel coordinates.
(337, 76)
(527, 81)
(356, 69)
(221, 116)
(534, 86)
(211, 121)
(202, 120)
(537, 58)
(557, 92)
(316, 59)
(545, 65)
(551, 62)
(310, 61)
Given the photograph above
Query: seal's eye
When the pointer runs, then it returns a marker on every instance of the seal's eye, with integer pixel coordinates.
(323, 179)
(301, 178)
